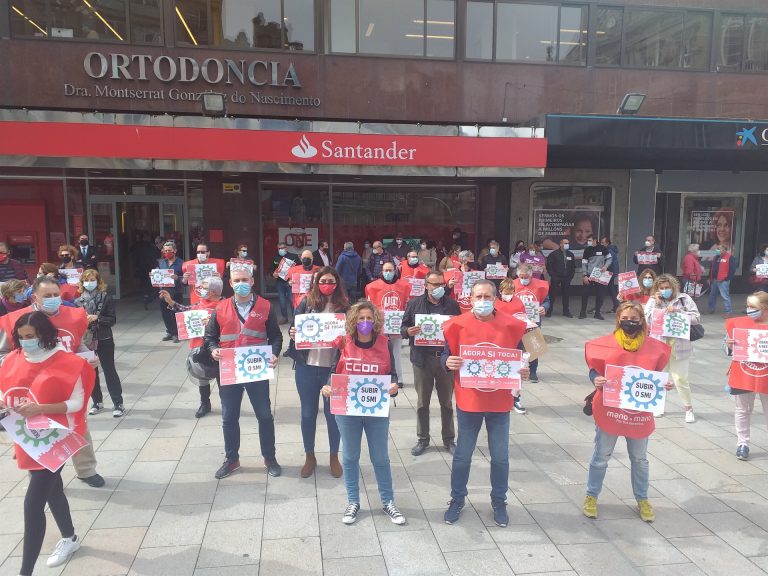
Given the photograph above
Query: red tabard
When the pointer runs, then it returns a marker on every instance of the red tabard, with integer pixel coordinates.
(514, 306)
(204, 304)
(233, 333)
(537, 289)
(364, 361)
(299, 269)
(70, 322)
(406, 271)
(48, 382)
(504, 331)
(388, 296)
(652, 355)
(641, 298)
(69, 292)
(752, 376)
(189, 266)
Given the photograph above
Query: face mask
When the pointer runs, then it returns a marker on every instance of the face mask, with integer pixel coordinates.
(327, 289)
(589, 242)
(413, 261)
(717, 252)
(424, 247)
(66, 259)
(167, 255)
(507, 297)
(494, 251)
(666, 293)
(365, 327)
(202, 257)
(30, 344)
(3, 257)
(532, 252)
(242, 288)
(754, 313)
(282, 251)
(482, 307)
(765, 253)
(399, 242)
(51, 304)
(203, 292)
(630, 327)
(90, 285)
(243, 253)
(306, 262)
(525, 281)
(83, 242)
(647, 282)
(438, 292)
(367, 245)
(388, 276)
(566, 246)
(648, 244)
(456, 235)
(19, 298)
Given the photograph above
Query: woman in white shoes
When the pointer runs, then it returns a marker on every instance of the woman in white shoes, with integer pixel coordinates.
(40, 378)
(366, 348)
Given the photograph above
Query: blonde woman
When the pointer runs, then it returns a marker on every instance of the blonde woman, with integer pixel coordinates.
(666, 296)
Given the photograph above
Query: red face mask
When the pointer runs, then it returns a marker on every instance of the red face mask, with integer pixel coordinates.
(3, 257)
(327, 289)
(168, 255)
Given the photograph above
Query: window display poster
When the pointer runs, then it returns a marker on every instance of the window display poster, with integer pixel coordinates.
(554, 224)
(714, 223)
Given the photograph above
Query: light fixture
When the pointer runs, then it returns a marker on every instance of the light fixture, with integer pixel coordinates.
(443, 22)
(431, 36)
(213, 104)
(631, 103)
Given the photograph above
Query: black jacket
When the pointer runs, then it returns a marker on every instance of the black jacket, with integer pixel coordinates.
(300, 356)
(658, 268)
(559, 266)
(274, 334)
(277, 259)
(107, 315)
(422, 305)
(317, 260)
(89, 260)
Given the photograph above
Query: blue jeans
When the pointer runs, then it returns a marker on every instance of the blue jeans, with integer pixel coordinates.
(309, 381)
(231, 399)
(377, 433)
(497, 425)
(604, 444)
(723, 287)
(286, 298)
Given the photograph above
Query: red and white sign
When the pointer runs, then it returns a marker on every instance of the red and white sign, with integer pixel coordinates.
(417, 286)
(192, 323)
(360, 395)
(162, 278)
(601, 277)
(240, 264)
(496, 271)
(71, 274)
(468, 279)
(298, 239)
(283, 267)
(635, 389)
(50, 445)
(750, 345)
(315, 331)
(431, 329)
(761, 270)
(490, 368)
(628, 284)
(301, 282)
(245, 364)
(647, 258)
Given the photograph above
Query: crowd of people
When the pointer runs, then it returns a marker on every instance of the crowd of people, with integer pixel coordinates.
(52, 347)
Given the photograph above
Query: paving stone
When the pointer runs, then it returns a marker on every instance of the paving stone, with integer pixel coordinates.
(177, 526)
(168, 561)
(478, 563)
(597, 559)
(339, 540)
(198, 488)
(291, 518)
(368, 565)
(161, 449)
(715, 557)
(528, 549)
(238, 502)
(106, 552)
(402, 549)
(231, 543)
(640, 543)
(292, 556)
(565, 524)
(733, 528)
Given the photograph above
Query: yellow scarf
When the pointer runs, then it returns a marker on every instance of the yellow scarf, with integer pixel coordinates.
(629, 344)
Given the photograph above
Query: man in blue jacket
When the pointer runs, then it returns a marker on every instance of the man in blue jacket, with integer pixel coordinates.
(349, 266)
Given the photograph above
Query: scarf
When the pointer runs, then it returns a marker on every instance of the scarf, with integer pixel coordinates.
(11, 305)
(90, 301)
(630, 344)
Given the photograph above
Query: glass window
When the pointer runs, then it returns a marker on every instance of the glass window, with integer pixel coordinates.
(757, 44)
(654, 38)
(266, 23)
(608, 36)
(343, 26)
(698, 40)
(479, 32)
(573, 35)
(729, 47)
(146, 21)
(299, 24)
(28, 18)
(95, 20)
(394, 27)
(192, 22)
(441, 28)
(711, 222)
(526, 32)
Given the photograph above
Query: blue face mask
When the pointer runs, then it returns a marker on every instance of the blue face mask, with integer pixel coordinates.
(754, 313)
(413, 261)
(482, 307)
(19, 298)
(30, 344)
(282, 251)
(52, 304)
(438, 292)
(666, 293)
(566, 246)
(647, 282)
(202, 292)
(717, 252)
(90, 285)
(525, 281)
(388, 276)
(242, 288)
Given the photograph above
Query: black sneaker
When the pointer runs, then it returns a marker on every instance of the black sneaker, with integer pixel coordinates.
(567, 314)
(167, 337)
(519, 408)
(273, 468)
(742, 452)
(205, 408)
(451, 515)
(350, 514)
(95, 481)
(599, 316)
(500, 516)
(394, 514)
(227, 468)
(582, 316)
(534, 378)
(420, 447)
(450, 446)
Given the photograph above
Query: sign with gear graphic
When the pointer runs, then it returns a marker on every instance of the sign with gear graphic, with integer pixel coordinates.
(628, 283)
(677, 325)
(750, 345)
(431, 326)
(192, 323)
(245, 364)
(635, 389)
(489, 367)
(50, 447)
(393, 319)
(162, 278)
(315, 331)
(360, 395)
(301, 282)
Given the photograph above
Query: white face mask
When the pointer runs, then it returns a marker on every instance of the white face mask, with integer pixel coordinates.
(507, 297)
(202, 257)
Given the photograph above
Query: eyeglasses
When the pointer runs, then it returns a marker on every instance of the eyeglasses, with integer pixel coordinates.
(63, 255)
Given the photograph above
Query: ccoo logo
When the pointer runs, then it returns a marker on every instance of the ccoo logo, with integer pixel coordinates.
(304, 149)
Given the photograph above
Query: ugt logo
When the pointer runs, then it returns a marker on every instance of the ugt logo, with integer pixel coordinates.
(744, 136)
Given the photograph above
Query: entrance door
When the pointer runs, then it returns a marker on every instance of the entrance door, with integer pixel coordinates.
(139, 226)
(103, 235)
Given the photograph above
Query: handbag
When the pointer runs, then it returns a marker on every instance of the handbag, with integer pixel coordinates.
(90, 339)
(588, 403)
(697, 332)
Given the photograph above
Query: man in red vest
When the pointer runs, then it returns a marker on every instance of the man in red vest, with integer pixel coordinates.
(194, 276)
(723, 270)
(412, 267)
(245, 319)
(300, 277)
(482, 326)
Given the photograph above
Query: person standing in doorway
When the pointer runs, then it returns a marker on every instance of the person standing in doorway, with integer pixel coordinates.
(649, 257)
(349, 265)
(322, 256)
(561, 266)
(87, 252)
(613, 268)
(594, 258)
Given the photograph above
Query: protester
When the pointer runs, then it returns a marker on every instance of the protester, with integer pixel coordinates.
(313, 368)
(169, 261)
(378, 258)
(297, 272)
(722, 272)
(349, 265)
(68, 291)
(101, 316)
(654, 259)
(466, 264)
(561, 266)
(365, 343)
(761, 259)
(283, 286)
(10, 268)
(12, 296)
(451, 259)
(534, 294)
(536, 259)
(210, 296)
(746, 380)
(691, 266)
(487, 249)
(666, 296)
(628, 345)
(613, 268)
(245, 319)
(514, 259)
(399, 249)
(322, 256)
(412, 267)
(646, 280)
(508, 304)
(86, 253)
(40, 378)
(428, 254)
(192, 278)
(473, 406)
(493, 256)
(428, 374)
(68, 257)
(594, 258)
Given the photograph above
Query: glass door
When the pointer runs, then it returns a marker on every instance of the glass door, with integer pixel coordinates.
(103, 235)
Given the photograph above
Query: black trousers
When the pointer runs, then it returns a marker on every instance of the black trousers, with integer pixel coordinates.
(45, 487)
(564, 285)
(169, 316)
(613, 291)
(596, 289)
(106, 353)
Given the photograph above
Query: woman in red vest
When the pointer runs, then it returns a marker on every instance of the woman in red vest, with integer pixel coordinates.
(40, 378)
(365, 346)
(627, 346)
(646, 280)
(748, 379)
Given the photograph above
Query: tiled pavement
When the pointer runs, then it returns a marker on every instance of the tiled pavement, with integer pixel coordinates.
(163, 513)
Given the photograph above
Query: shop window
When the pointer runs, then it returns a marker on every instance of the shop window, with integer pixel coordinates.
(343, 26)
(757, 45)
(712, 222)
(526, 32)
(28, 18)
(92, 20)
(479, 30)
(608, 36)
(573, 35)
(729, 46)
(146, 21)
(654, 38)
(192, 22)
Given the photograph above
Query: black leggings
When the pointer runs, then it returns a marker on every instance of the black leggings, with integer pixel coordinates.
(45, 487)
(106, 353)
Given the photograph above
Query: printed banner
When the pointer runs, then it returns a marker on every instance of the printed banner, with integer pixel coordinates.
(283, 267)
(192, 323)
(750, 345)
(635, 389)
(761, 270)
(468, 280)
(491, 368)
(162, 278)
(574, 224)
(418, 286)
(201, 272)
(301, 282)
(628, 284)
(360, 395)
(315, 331)
(393, 319)
(601, 277)
(677, 325)
(496, 271)
(431, 326)
(647, 258)
(49, 447)
(245, 364)
(240, 264)
(71, 274)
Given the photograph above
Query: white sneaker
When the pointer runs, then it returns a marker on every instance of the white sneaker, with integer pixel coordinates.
(689, 417)
(394, 514)
(350, 514)
(96, 408)
(63, 551)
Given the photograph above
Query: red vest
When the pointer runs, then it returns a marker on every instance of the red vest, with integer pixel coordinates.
(419, 271)
(70, 322)
(537, 289)
(204, 304)
(189, 266)
(641, 298)
(752, 376)
(724, 266)
(47, 382)
(68, 292)
(364, 361)
(388, 296)
(504, 331)
(299, 269)
(514, 306)
(652, 355)
(234, 334)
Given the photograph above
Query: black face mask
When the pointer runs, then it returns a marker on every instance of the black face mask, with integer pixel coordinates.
(83, 242)
(306, 262)
(67, 259)
(630, 327)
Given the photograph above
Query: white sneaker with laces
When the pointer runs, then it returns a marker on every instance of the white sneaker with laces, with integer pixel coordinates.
(394, 514)
(689, 417)
(63, 551)
(118, 412)
(96, 408)
(350, 514)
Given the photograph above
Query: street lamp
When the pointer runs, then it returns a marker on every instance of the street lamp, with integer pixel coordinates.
(213, 104)
(631, 104)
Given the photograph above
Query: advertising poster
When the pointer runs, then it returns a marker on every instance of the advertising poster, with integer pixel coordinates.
(360, 395)
(490, 367)
(315, 331)
(245, 364)
(574, 224)
(713, 228)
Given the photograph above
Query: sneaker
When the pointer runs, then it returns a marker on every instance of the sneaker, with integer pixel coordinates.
(350, 514)
(534, 378)
(96, 408)
(227, 468)
(118, 411)
(451, 515)
(420, 447)
(689, 417)
(205, 408)
(646, 511)
(519, 408)
(167, 337)
(590, 507)
(95, 481)
(450, 445)
(742, 452)
(63, 551)
(500, 516)
(394, 514)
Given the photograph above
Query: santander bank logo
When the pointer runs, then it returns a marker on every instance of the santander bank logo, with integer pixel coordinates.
(304, 149)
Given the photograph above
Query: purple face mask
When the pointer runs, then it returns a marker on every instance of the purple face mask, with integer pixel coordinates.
(365, 327)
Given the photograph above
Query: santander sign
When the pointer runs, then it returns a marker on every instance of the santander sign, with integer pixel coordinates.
(305, 150)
